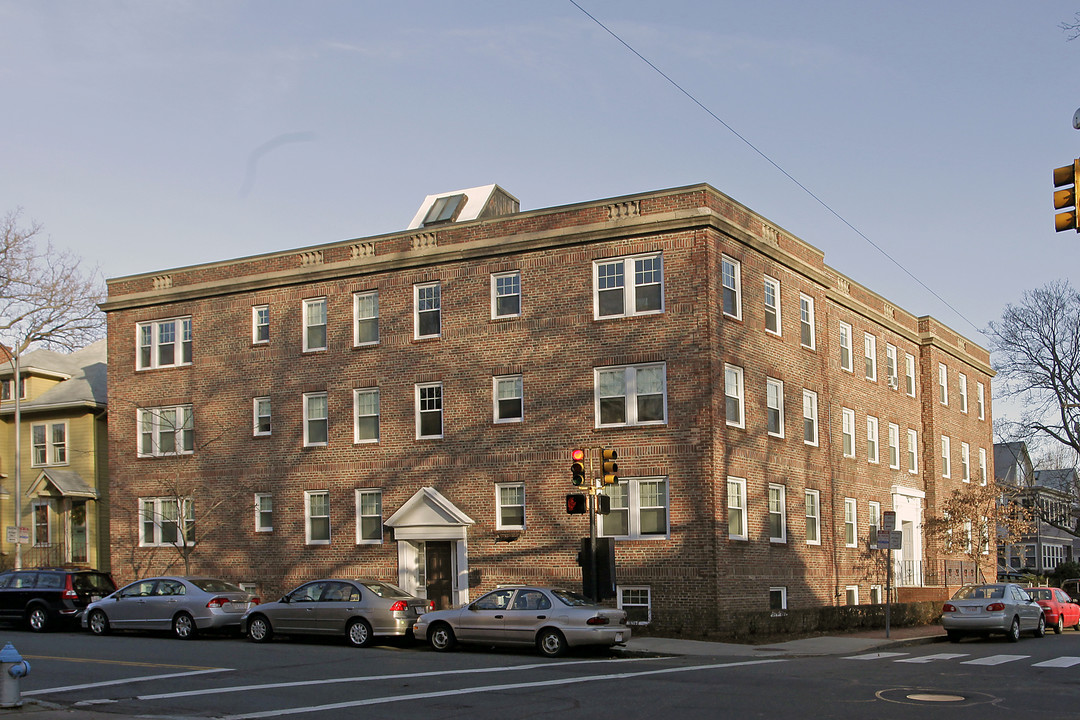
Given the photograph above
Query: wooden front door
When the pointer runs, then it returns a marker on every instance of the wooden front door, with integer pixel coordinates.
(440, 574)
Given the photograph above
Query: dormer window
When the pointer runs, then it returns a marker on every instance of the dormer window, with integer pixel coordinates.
(445, 209)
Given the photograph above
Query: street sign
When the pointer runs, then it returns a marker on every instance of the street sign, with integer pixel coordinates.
(888, 520)
(889, 540)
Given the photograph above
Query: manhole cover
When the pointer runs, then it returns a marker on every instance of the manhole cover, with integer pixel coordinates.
(927, 696)
(936, 697)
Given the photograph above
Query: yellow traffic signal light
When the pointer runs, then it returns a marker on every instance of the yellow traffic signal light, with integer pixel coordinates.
(577, 467)
(609, 468)
(1067, 198)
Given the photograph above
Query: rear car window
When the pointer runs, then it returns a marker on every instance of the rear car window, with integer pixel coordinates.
(386, 590)
(92, 583)
(211, 585)
(572, 599)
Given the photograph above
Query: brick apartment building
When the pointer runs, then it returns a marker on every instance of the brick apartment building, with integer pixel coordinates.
(404, 406)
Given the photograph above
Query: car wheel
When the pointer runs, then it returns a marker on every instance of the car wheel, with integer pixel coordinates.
(259, 629)
(1060, 627)
(551, 643)
(1040, 629)
(954, 635)
(1014, 630)
(359, 633)
(442, 637)
(183, 626)
(38, 619)
(98, 623)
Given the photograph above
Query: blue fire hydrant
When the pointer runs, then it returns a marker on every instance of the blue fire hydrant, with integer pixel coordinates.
(12, 669)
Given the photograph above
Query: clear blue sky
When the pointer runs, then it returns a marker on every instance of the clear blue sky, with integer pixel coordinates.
(152, 135)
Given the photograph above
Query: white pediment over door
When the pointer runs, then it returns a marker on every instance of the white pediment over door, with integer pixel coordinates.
(428, 515)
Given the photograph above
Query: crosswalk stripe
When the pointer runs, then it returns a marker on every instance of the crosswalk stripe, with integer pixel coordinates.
(932, 658)
(876, 656)
(995, 660)
(1061, 662)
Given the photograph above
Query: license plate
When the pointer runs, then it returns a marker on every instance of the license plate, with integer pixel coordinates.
(95, 598)
(421, 610)
(970, 609)
(618, 637)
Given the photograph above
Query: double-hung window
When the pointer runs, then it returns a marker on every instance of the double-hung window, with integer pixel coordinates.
(965, 462)
(810, 417)
(165, 521)
(774, 402)
(982, 466)
(7, 384)
(314, 324)
(872, 439)
(49, 443)
(164, 343)
(264, 512)
(772, 305)
(429, 411)
(846, 362)
(851, 536)
(166, 431)
(507, 395)
(316, 419)
(892, 368)
(777, 513)
(807, 331)
(870, 354)
(427, 310)
(813, 517)
(736, 509)
(317, 517)
(260, 324)
(366, 412)
(261, 411)
(639, 509)
(943, 384)
(624, 287)
(874, 511)
(369, 523)
(909, 374)
(506, 295)
(946, 456)
(734, 396)
(848, 431)
(631, 395)
(913, 451)
(894, 446)
(731, 282)
(963, 393)
(510, 510)
(366, 318)
(980, 400)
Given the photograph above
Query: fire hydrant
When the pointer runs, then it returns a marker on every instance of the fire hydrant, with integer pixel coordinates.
(12, 669)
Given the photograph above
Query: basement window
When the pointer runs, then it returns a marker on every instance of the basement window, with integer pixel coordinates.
(445, 209)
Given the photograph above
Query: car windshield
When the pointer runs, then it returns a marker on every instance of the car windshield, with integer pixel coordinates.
(572, 599)
(980, 592)
(92, 583)
(386, 590)
(214, 586)
(1040, 593)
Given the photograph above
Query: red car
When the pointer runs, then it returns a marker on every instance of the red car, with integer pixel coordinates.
(1058, 608)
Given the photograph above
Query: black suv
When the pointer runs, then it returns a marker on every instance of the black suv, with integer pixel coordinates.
(44, 597)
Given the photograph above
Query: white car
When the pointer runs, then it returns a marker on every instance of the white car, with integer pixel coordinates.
(550, 619)
(993, 608)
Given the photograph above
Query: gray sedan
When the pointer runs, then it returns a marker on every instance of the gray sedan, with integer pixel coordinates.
(994, 608)
(359, 610)
(550, 619)
(184, 605)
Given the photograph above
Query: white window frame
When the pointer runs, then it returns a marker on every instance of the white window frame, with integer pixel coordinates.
(810, 415)
(421, 409)
(55, 453)
(183, 430)
(157, 517)
(943, 384)
(360, 495)
(774, 402)
(965, 462)
(980, 399)
(264, 506)
(736, 505)
(499, 382)
(812, 510)
(630, 396)
(181, 342)
(846, 361)
(733, 376)
(946, 456)
(777, 501)
(257, 416)
(431, 302)
(982, 466)
(307, 307)
(851, 522)
(963, 393)
(894, 446)
(892, 367)
(806, 320)
(873, 440)
(504, 285)
(731, 283)
(309, 517)
(873, 521)
(909, 374)
(630, 286)
(309, 418)
(500, 504)
(847, 432)
(358, 395)
(635, 590)
(876, 594)
(257, 325)
(913, 451)
(772, 309)
(870, 356)
(46, 505)
(851, 595)
(630, 488)
(782, 592)
(366, 302)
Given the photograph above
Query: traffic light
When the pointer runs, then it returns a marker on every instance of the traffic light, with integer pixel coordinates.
(603, 504)
(1067, 199)
(576, 504)
(609, 468)
(577, 467)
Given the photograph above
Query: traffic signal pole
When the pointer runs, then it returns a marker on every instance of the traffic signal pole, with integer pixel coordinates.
(592, 544)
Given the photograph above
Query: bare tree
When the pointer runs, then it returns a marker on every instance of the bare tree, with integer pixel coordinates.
(975, 519)
(1071, 28)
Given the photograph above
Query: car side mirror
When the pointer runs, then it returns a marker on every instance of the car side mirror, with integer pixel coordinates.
(473, 607)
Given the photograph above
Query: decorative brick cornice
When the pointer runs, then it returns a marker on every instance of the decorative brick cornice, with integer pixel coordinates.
(626, 209)
(163, 282)
(311, 257)
(423, 241)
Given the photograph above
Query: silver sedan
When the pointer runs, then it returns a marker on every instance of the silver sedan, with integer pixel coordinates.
(550, 619)
(184, 605)
(993, 608)
(359, 610)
